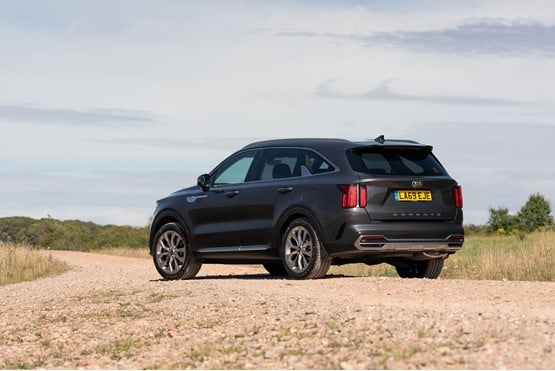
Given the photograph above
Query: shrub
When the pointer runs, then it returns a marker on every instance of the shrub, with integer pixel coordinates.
(535, 213)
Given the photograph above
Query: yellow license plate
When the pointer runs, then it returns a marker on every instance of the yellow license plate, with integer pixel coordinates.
(413, 195)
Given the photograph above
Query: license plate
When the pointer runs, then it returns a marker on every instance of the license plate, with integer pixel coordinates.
(413, 195)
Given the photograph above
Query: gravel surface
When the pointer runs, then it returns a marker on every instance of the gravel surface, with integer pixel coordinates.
(113, 312)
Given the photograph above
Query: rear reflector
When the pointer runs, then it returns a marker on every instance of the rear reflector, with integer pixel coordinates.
(458, 197)
(372, 238)
(456, 237)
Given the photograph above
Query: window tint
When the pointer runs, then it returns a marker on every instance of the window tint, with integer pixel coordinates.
(280, 163)
(235, 170)
(313, 163)
(395, 161)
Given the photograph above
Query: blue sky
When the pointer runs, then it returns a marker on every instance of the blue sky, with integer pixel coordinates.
(106, 106)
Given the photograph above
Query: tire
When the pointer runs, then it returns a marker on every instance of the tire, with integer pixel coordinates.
(275, 269)
(421, 269)
(172, 256)
(301, 251)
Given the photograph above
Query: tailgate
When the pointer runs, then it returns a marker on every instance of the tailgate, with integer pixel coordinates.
(406, 198)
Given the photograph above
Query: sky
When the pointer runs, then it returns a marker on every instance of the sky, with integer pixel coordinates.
(107, 106)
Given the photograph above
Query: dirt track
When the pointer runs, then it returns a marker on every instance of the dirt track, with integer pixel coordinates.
(112, 312)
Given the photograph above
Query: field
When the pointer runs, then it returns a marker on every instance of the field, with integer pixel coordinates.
(487, 257)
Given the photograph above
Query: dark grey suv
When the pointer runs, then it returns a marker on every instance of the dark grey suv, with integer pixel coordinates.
(297, 206)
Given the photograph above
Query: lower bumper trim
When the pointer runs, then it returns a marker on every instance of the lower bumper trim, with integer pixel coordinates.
(450, 244)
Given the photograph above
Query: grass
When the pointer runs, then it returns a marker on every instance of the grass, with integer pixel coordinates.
(120, 348)
(20, 263)
(494, 257)
(499, 257)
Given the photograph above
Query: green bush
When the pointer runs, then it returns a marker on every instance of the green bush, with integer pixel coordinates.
(70, 234)
(534, 214)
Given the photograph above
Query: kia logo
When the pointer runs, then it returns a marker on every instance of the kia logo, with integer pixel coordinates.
(417, 183)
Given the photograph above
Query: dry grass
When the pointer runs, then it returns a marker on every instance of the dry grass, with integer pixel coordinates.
(20, 263)
(531, 258)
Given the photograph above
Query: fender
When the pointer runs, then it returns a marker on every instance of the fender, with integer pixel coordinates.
(159, 220)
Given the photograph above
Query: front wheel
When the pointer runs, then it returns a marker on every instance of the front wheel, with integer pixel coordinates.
(421, 269)
(302, 252)
(172, 254)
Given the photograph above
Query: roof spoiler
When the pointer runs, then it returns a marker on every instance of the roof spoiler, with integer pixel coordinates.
(391, 143)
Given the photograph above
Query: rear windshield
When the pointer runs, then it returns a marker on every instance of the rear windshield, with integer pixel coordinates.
(395, 161)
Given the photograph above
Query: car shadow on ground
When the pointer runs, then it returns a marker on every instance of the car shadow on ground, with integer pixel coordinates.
(255, 276)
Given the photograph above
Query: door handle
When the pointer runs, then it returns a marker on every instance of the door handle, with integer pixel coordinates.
(284, 190)
(232, 194)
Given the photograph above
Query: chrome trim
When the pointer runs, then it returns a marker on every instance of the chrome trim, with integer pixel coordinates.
(234, 249)
(409, 245)
(191, 199)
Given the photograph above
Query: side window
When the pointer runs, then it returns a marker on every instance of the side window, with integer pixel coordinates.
(280, 163)
(234, 171)
(313, 163)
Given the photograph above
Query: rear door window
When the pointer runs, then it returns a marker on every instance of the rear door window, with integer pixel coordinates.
(395, 161)
(279, 163)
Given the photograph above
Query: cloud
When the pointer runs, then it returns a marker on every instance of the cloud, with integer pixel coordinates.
(98, 117)
(205, 144)
(481, 36)
(384, 92)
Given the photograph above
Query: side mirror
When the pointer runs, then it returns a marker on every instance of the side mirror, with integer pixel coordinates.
(203, 182)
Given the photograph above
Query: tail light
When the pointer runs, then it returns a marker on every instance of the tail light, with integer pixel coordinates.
(362, 196)
(352, 195)
(458, 197)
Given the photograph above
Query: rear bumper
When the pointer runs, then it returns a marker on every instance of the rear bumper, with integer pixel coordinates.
(398, 238)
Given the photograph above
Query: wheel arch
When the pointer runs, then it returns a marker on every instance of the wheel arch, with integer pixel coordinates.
(291, 214)
(164, 217)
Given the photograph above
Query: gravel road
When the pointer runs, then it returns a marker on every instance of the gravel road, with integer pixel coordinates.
(113, 312)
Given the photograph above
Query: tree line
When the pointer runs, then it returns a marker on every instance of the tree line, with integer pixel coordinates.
(534, 214)
(70, 234)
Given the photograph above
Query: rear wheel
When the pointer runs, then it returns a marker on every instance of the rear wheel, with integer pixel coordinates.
(302, 252)
(172, 254)
(420, 269)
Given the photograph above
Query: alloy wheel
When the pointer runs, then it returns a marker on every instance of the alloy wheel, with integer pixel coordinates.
(299, 248)
(170, 252)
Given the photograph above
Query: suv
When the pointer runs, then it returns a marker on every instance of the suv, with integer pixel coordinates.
(297, 206)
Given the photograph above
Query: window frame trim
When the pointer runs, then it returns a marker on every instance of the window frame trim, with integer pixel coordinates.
(258, 154)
